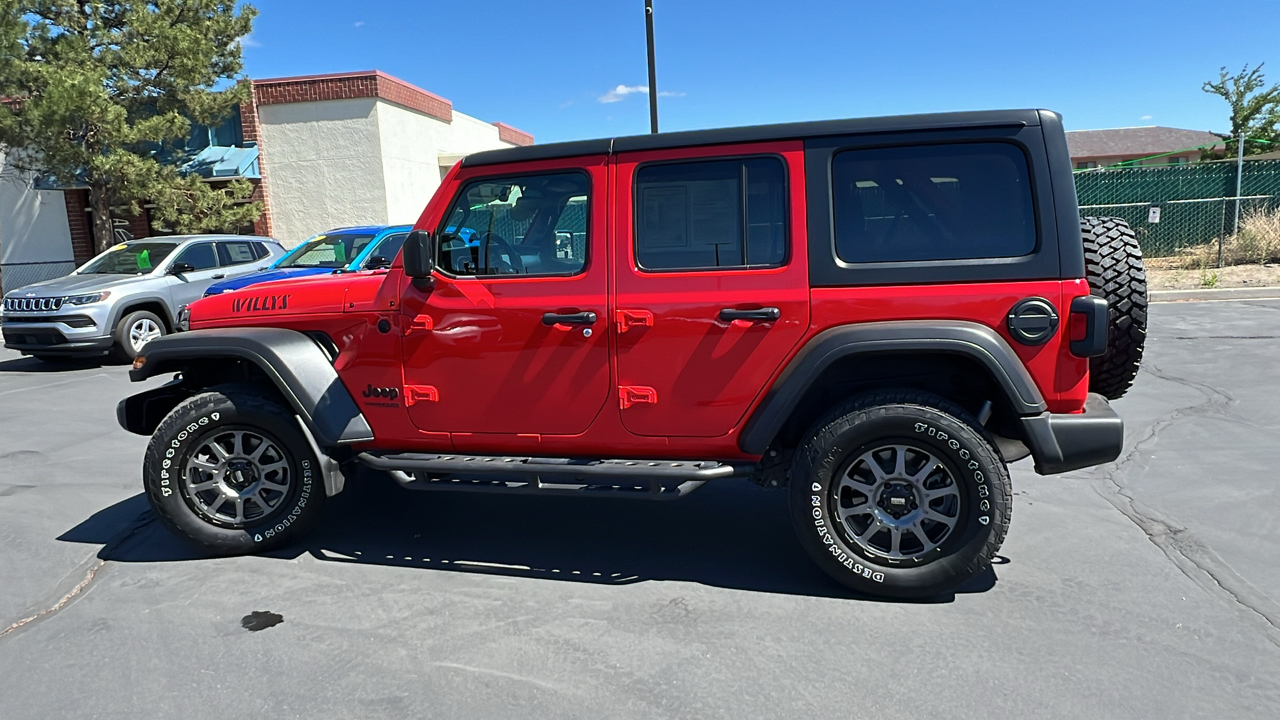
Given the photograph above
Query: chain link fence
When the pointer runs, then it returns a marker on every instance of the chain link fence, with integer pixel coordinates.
(1186, 215)
(16, 275)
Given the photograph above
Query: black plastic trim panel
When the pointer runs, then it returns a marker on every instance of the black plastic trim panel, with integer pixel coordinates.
(923, 336)
(293, 361)
(1063, 442)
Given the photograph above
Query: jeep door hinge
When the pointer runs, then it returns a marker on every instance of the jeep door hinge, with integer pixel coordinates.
(628, 319)
(420, 393)
(629, 395)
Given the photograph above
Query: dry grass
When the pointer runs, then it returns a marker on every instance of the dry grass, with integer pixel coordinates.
(1257, 242)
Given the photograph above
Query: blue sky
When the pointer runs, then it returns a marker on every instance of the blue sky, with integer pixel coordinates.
(548, 66)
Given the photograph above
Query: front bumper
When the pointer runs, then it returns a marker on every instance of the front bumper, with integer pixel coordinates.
(1061, 442)
(69, 330)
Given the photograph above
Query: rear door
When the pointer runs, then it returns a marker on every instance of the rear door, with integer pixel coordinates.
(238, 257)
(512, 338)
(712, 284)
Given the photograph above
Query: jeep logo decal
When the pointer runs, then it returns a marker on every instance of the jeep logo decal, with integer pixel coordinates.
(260, 303)
(377, 392)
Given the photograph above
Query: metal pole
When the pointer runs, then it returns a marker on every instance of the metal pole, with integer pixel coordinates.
(1235, 224)
(653, 71)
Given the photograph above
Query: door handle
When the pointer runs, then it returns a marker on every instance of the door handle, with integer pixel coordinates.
(218, 277)
(578, 318)
(757, 315)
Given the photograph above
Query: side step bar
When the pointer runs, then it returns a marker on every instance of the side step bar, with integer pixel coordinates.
(651, 479)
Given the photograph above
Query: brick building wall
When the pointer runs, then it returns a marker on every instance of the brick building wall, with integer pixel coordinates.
(78, 223)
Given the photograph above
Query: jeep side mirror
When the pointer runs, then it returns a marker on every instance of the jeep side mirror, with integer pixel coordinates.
(419, 254)
(180, 268)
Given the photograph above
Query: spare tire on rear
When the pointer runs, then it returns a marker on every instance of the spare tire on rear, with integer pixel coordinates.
(1113, 267)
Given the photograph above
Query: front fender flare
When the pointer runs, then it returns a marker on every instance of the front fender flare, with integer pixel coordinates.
(969, 339)
(294, 362)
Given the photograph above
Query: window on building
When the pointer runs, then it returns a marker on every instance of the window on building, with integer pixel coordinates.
(719, 213)
(521, 225)
(1178, 160)
(932, 202)
(1086, 165)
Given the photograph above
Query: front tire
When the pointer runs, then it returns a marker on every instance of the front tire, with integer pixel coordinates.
(134, 332)
(900, 494)
(232, 473)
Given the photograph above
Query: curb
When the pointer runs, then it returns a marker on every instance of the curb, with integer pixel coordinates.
(1201, 295)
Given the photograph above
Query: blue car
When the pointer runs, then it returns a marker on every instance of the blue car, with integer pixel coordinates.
(350, 249)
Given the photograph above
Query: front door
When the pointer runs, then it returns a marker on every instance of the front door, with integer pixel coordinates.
(188, 287)
(512, 339)
(712, 282)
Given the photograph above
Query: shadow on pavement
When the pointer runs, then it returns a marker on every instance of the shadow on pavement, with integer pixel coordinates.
(28, 364)
(728, 534)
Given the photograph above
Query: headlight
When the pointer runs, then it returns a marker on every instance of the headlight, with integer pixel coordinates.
(87, 299)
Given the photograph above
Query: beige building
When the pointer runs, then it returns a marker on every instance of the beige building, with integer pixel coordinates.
(322, 151)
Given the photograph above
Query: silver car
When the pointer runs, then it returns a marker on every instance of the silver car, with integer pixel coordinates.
(126, 296)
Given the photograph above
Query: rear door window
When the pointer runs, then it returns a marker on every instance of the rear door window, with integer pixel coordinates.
(236, 252)
(711, 214)
(932, 202)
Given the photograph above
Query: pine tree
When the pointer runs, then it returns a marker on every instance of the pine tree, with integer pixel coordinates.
(95, 92)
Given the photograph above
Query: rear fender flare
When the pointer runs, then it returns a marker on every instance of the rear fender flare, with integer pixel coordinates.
(972, 340)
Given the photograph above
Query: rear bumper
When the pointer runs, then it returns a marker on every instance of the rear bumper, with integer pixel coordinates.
(1063, 442)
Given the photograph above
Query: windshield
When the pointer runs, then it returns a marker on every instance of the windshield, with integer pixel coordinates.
(327, 251)
(136, 258)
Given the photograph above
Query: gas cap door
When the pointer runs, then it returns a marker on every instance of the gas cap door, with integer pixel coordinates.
(1033, 321)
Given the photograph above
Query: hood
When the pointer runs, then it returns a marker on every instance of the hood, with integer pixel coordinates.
(76, 285)
(263, 301)
(244, 281)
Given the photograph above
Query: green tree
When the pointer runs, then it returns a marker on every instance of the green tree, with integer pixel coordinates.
(1255, 109)
(95, 92)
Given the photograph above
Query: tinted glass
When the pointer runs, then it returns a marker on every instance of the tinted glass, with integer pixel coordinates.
(237, 252)
(200, 256)
(529, 225)
(698, 215)
(387, 248)
(932, 202)
(132, 259)
(334, 250)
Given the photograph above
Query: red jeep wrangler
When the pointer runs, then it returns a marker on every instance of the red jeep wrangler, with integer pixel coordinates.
(878, 314)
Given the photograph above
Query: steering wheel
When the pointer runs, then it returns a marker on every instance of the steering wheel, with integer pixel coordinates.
(512, 265)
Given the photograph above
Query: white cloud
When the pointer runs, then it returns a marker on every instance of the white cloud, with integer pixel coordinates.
(359, 23)
(622, 91)
(1145, 117)
(248, 41)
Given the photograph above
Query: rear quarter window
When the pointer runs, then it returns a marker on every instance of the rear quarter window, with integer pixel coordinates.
(932, 202)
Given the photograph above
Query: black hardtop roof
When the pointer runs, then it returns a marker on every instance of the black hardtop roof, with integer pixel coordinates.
(757, 133)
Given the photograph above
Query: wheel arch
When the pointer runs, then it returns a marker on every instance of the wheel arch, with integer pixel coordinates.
(943, 357)
(152, 304)
(290, 362)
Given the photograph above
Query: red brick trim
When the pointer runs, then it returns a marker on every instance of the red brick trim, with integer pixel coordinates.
(340, 86)
(508, 134)
(251, 131)
(78, 223)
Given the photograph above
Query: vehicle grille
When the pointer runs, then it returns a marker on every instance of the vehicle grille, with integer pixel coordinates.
(34, 338)
(32, 304)
(75, 321)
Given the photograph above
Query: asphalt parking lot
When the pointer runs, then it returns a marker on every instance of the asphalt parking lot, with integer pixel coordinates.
(1145, 588)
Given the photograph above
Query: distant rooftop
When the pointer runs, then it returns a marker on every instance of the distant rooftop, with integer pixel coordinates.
(1137, 141)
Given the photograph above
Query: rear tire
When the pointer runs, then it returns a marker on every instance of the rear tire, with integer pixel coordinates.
(940, 495)
(232, 472)
(1113, 267)
(134, 332)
